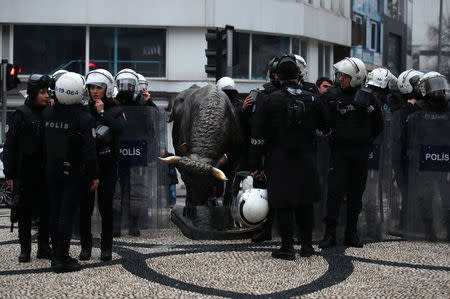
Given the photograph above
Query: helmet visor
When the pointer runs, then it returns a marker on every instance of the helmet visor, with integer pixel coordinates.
(99, 84)
(434, 84)
(126, 84)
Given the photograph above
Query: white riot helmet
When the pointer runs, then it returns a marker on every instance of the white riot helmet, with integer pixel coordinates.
(408, 81)
(142, 82)
(70, 88)
(379, 77)
(433, 82)
(102, 78)
(127, 79)
(58, 74)
(251, 208)
(301, 64)
(354, 68)
(226, 83)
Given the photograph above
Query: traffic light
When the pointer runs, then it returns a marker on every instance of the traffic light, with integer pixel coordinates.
(11, 76)
(215, 52)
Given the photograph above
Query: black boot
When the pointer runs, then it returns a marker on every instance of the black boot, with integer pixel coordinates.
(329, 240)
(86, 247)
(44, 250)
(352, 239)
(284, 253)
(25, 245)
(67, 264)
(106, 248)
(25, 250)
(264, 235)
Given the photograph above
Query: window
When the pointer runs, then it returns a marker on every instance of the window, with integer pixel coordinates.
(264, 48)
(143, 50)
(393, 55)
(45, 49)
(373, 35)
(324, 60)
(241, 68)
(300, 47)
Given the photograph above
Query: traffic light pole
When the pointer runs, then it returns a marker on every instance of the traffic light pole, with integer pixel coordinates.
(4, 104)
(229, 68)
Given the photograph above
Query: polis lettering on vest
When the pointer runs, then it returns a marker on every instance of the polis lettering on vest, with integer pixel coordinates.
(56, 125)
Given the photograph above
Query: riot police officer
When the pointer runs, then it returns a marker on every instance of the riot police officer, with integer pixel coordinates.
(308, 86)
(356, 120)
(435, 92)
(24, 166)
(70, 158)
(134, 179)
(408, 86)
(144, 95)
(110, 120)
(274, 84)
(291, 117)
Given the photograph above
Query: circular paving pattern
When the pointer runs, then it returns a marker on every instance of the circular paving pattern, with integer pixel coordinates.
(166, 264)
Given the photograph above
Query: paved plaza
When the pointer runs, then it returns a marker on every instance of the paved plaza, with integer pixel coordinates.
(165, 264)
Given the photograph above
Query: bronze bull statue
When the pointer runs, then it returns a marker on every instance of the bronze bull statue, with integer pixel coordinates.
(207, 141)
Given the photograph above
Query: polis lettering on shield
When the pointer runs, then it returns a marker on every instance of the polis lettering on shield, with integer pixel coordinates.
(130, 151)
(442, 157)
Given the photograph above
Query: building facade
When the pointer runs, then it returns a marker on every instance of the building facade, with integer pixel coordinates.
(165, 40)
(381, 33)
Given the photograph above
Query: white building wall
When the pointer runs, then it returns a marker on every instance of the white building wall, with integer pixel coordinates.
(186, 22)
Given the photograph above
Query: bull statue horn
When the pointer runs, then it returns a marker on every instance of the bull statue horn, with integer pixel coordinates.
(219, 174)
(170, 160)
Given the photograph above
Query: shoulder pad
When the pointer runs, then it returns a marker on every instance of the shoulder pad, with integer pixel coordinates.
(366, 90)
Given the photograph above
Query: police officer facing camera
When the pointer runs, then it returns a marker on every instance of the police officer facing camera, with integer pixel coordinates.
(24, 166)
(109, 122)
(356, 120)
(70, 158)
(290, 117)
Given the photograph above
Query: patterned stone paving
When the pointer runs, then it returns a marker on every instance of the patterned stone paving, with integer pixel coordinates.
(165, 264)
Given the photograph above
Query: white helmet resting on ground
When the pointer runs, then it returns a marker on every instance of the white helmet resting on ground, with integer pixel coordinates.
(354, 68)
(127, 79)
(70, 88)
(380, 77)
(102, 78)
(408, 80)
(433, 82)
(143, 83)
(251, 208)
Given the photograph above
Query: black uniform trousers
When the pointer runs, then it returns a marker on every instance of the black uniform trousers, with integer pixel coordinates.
(288, 219)
(36, 203)
(105, 192)
(65, 193)
(347, 178)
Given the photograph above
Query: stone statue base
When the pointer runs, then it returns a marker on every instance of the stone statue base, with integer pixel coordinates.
(211, 223)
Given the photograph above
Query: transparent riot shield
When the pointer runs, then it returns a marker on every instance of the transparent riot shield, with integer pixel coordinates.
(427, 207)
(323, 167)
(395, 176)
(375, 214)
(140, 200)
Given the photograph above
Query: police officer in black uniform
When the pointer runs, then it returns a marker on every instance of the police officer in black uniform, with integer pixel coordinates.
(290, 118)
(274, 84)
(71, 157)
(356, 120)
(110, 120)
(435, 92)
(24, 166)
